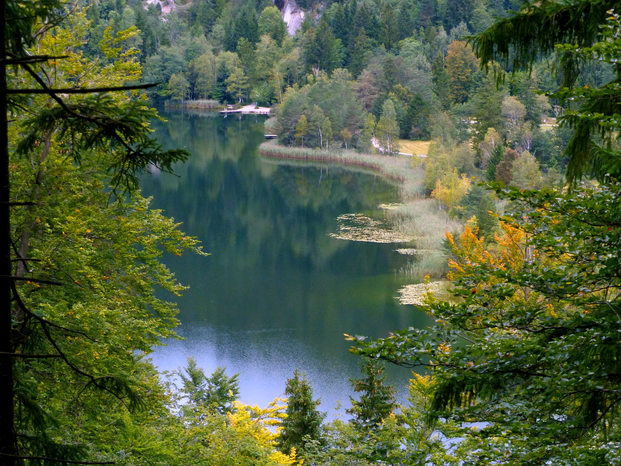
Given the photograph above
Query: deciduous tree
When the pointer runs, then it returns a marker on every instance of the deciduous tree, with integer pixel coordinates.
(461, 64)
(530, 344)
(581, 31)
(387, 130)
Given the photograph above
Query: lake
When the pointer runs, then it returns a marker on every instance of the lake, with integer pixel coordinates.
(276, 292)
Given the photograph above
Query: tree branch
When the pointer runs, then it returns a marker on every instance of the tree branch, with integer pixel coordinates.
(34, 280)
(43, 321)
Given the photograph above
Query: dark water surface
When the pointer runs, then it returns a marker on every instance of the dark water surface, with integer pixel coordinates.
(276, 293)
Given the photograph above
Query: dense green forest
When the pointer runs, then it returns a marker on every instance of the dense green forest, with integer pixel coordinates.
(521, 103)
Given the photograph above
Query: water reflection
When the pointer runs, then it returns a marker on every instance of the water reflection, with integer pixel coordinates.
(276, 293)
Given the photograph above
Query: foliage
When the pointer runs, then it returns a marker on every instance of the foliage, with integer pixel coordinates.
(387, 129)
(302, 422)
(526, 173)
(504, 168)
(460, 66)
(217, 392)
(425, 440)
(329, 105)
(529, 345)
(270, 22)
(367, 133)
(83, 309)
(580, 31)
(301, 129)
(479, 203)
(243, 436)
(376, 401)
(320, 49)
(178, 87)
(450, 189)
(514, 112)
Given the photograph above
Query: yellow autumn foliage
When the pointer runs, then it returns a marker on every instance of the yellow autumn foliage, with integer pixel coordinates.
(451, 188)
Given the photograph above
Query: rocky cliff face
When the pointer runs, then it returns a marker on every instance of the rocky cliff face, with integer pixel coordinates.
(292, 14)
(166, 5)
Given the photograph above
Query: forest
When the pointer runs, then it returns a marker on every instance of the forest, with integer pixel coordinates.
(520, 105)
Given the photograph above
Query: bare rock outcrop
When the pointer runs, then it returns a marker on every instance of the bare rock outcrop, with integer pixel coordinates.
(292, 14)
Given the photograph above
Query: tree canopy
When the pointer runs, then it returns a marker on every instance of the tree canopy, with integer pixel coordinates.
(580, 31)
(527, 346)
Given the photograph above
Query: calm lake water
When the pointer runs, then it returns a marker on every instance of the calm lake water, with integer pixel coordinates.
(277, 292)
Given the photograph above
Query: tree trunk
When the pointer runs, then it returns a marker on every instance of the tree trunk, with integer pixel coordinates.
(7, 432)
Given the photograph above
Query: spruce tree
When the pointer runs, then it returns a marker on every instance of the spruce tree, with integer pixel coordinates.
(303, 421)
(579, 31)
(377, 400)
(216, 392)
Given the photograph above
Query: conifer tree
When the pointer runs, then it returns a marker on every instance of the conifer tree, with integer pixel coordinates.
(530, 344)
(376, 399)
(216, 392)
(303, 421)
(580, 31)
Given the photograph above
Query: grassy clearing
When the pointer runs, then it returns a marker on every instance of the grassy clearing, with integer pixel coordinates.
(414, 147)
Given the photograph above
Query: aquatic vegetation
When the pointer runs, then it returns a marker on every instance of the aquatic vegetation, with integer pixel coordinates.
(358, 227)
(416, 294)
